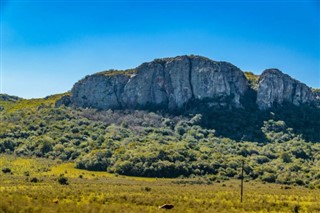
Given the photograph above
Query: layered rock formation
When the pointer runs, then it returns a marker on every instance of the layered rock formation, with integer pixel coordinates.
(276, 88)
(171, 83)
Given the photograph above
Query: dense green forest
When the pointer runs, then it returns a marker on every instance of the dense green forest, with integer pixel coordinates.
(281, 145)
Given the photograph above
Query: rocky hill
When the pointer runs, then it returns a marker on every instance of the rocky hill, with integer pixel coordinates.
(172, 83)
(280, 144)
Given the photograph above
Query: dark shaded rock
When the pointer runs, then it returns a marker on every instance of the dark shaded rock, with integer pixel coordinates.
(166, 206)
(63, 101)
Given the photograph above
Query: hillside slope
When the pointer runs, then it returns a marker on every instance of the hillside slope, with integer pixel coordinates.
(157, 144)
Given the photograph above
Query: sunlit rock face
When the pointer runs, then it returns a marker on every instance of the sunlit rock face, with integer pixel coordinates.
(172, 83)
(169, 83)
(99, 91)
(276, 88)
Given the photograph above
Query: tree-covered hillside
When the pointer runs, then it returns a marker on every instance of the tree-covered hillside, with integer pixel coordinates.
(277, 145)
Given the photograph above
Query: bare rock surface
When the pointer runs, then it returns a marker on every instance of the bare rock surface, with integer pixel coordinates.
(276, 88)
(171, 83)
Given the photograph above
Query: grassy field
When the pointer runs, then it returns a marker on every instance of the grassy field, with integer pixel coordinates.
(103, 192)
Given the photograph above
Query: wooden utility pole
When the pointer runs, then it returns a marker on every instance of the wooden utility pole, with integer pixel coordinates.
(241, 190)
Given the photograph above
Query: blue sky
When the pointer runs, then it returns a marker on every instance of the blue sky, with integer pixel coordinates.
(49, 45)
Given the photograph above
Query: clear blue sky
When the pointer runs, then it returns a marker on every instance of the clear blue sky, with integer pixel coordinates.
(49, 45)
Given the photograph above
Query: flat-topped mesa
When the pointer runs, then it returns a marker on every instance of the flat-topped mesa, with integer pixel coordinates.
(167, 83)
(276, 88)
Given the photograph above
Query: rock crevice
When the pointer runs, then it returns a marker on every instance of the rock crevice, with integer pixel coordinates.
(190, 80)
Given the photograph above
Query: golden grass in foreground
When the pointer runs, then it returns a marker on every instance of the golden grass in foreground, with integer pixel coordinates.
(103, 192)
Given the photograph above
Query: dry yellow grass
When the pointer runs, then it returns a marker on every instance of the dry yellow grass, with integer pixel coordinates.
(103, 192)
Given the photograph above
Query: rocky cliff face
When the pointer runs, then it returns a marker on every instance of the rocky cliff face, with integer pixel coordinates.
(170, 83)
(99, 91)
(276, 88)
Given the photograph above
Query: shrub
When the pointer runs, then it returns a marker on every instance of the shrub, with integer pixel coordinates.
(95, 161)
(269, 177)
(34, 180)
(262, 159)
(63, 180)
(285, 157)
(147, 189)
(7, 144)
(45, 146)
(6, 170)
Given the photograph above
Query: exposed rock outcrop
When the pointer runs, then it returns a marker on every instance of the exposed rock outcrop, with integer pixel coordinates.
(276, 88)
(169, 83)
(99, 91)
(218, 80)
(63, 101)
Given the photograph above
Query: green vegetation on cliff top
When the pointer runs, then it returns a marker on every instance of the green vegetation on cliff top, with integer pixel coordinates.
(252, 79)
(113, 72)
